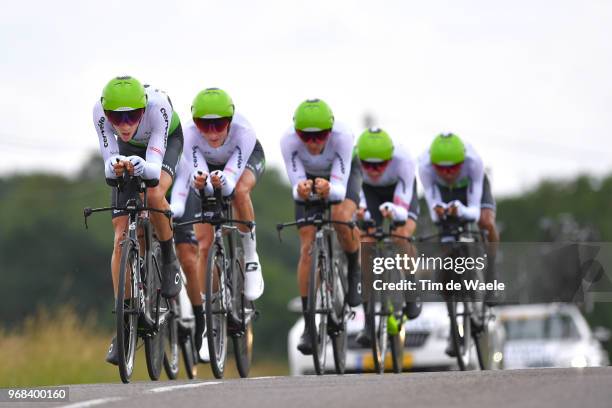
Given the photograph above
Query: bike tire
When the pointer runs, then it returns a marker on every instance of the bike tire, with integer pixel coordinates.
(189, 356)
(242, 342)
(317, 320)
(339, 290)
(461, 334)
(172, 354)
(216, 313)
(154, 341)
(397, 350)
(127, 324)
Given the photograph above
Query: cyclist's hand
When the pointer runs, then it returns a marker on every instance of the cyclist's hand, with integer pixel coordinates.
(138, 164)
(322, 187)
(120, 163)
(440, 211)
(386, 210)
(199, 179)
(453, 209)
(304, 188)
(217, 178)
(361, 213)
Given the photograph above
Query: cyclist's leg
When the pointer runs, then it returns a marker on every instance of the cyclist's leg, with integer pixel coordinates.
(254, 283)
(204, 235)
(349, 237)
(307, 235)
(486, 222)
(119, 226)
(157, 198)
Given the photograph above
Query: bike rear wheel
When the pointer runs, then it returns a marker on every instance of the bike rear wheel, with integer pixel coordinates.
(337, 330)
(317, 306)
(189, 355)
(154, 340)
(461, 332)
(397, 350)
(242, 340)
(171, 344)
(216, 311)
(126, 310)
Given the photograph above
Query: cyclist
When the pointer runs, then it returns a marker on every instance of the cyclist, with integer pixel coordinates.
(318, 155)
(185, 205)
(388, 191)
(455, 185)
(139, 131)
(225, 153)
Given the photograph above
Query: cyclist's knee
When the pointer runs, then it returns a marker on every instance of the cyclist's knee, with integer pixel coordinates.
(119, 226)
(242, 195)
(156, 195)
(487, 219)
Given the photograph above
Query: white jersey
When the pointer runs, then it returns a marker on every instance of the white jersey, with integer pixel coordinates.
(400, 171)
(152, 132)
(333, 163)
(233, 154)
(470, 175)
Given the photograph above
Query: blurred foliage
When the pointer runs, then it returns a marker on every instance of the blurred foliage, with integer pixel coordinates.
(49, 259)
(64, 339)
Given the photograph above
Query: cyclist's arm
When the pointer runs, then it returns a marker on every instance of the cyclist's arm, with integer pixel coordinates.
(341, 167)
(106, 138)
(474, 197)
(156, 148)
(293, 164)
(432, 193)
(192, 151)
(402, 196)
(180, 188)
(236, 163)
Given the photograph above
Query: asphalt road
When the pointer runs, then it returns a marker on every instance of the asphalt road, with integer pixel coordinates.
(575, 388)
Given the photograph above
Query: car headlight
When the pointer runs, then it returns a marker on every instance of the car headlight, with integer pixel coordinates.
(579, 361)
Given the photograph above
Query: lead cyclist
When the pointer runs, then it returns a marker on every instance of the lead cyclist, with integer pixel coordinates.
(138, 130)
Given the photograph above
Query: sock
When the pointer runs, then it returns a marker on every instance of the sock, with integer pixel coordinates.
(198, 312)
(353, 261)
(249, 244)
(305, 308)
(167, 250)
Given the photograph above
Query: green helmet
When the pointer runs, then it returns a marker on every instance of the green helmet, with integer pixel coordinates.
(123, 93)
(313, 115)
(212, 103)
(447, 150)
(375, 145)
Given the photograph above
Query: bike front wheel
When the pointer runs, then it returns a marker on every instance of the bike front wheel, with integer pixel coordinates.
(318, 301)
(127, 309)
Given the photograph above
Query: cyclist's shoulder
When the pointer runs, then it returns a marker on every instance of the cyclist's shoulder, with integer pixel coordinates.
(157, 98)
(402, 154)
(289, 138)
(241, 126)
(341, 131)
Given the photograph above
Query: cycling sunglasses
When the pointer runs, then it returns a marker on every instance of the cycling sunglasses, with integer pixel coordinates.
(130, 117)
(212, 125)
(318, 136)
(448, 169)
(374, 166)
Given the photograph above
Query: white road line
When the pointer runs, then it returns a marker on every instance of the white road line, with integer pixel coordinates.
(178, 387)
(263, 378)
(92, 403)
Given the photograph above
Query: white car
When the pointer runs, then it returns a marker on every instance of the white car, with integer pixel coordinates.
(426, 340)
(550, 335)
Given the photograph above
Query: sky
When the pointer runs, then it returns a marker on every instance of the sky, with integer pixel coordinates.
(527, 83)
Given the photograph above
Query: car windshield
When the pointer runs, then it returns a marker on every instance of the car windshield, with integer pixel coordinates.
(557, 326)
